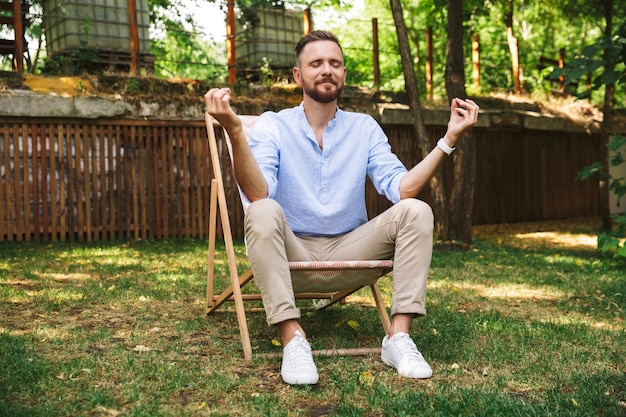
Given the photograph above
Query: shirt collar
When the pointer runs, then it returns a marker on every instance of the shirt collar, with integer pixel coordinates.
(305, 123)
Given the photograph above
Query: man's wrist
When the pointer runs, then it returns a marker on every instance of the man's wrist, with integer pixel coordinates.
(447, 149)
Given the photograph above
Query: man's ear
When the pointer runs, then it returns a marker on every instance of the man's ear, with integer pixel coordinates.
(296, 75)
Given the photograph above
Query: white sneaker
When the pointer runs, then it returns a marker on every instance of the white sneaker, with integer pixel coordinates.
(400, 352)
(298, 367)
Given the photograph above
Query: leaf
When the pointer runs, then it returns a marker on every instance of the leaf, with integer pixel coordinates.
(366, 378)
(589, 171)
(594, 65)
(609, 76)
(141, 349)
(620, 219)
(617, 159)
(575, 74)
(78, 374)
(276, 342)
(616, 143)
(103, 411)
(607, 242)
(591, 50)
(353, 324)
(577, 62)
(618, 187)
(558, 72)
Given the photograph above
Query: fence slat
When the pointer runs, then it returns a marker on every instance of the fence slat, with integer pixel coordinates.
(20, 212)
(5, 175)
(62, 155)
(51, 156)
(184, 152)
(110, 180)
(88, 178)
(177, 180)
(134, 162)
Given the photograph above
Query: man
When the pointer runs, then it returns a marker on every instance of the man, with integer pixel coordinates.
(304, 172)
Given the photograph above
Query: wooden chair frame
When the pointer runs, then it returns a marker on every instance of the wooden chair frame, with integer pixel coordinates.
(375, 269)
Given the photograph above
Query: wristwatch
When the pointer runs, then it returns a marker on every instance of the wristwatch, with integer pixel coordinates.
(441, 144)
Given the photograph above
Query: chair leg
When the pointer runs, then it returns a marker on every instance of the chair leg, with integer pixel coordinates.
(234, 275)
(211, 252)
(380, 306)
(228, 293)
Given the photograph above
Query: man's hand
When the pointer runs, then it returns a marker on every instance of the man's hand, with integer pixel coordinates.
(217, 101)
(463, 115)
(247, 171)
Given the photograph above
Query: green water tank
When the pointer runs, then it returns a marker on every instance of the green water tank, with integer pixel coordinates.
(102, 25)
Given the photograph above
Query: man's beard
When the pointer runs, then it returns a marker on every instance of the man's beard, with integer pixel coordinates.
(323, 96)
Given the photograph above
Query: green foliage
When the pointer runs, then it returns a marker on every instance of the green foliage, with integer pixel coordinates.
(542, 30)
(132, 86)
(604, 61)
(180, 50)
(75, 61)
(180, 54)
(266, 72)
(612, 241)
(352, 23)
(248, 15)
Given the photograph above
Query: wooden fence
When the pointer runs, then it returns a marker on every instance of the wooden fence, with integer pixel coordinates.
(103, 180)
(120, 179)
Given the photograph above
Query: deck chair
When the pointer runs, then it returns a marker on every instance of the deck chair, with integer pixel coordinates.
(315, 274)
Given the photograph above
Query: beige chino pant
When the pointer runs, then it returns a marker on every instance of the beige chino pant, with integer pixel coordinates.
(403, 232)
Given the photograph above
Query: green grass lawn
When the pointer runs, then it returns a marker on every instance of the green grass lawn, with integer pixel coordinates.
(527, 322)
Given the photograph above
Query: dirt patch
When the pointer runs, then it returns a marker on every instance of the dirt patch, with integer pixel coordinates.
(577, 234)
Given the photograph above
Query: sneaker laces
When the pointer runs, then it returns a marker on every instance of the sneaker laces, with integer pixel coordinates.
(406, 348)
(299, 352)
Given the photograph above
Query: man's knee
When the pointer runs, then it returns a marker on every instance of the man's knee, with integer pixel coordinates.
(417, 214)
(263, 216)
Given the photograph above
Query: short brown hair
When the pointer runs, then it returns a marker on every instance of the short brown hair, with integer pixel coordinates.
(314, 36)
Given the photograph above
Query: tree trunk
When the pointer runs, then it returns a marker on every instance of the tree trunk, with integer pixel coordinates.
(461, 201)
(513, 48)
(436, 182)
(609, 98)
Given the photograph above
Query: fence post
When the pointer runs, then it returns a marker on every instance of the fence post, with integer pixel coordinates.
(515, 65)
(476, 61)
(307, 22)
(561, 65)
(230, 43)
(134, 36)
(375, 53)
(18, 28)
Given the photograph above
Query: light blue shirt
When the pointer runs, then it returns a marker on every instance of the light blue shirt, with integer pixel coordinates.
(322, 191)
